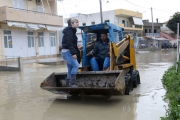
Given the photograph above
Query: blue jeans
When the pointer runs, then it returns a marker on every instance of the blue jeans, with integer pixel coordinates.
(98, 63)
(72, 63)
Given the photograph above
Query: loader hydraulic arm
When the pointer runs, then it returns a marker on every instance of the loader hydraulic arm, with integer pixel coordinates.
(120, 47)
(117, 51)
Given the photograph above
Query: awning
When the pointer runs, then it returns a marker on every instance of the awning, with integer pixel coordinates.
(16, 24)
(41, 26)
(32, 26)
(53, 28)
(137, 21)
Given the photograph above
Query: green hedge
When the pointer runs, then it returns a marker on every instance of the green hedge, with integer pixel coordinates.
(171, 82)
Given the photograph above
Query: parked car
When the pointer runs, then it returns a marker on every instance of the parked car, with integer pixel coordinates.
(166, 44)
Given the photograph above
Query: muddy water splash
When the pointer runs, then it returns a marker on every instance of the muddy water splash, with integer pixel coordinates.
(22, 98)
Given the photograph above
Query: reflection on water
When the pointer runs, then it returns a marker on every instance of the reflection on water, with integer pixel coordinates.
(22, 98)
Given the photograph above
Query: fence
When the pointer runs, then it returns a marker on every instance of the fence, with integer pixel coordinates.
(10, 64)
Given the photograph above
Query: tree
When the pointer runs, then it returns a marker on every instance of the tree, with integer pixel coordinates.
(172, 23)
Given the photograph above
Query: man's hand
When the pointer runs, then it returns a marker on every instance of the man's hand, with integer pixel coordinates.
(89, 54)
(74, 56)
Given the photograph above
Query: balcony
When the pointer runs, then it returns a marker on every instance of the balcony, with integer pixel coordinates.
(152, 34)
(127, 13)
(27, 16)
(130, 27)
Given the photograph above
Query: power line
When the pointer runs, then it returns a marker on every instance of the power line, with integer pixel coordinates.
(162, 10)
(146, 7)
(136, 5)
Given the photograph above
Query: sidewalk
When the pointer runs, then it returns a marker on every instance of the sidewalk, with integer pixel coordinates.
(50, 60)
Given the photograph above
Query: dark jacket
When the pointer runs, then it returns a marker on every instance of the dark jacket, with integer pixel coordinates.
(101, 49)
(69, 41)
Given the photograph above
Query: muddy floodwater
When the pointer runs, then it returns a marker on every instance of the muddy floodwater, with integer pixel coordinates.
(21, 98)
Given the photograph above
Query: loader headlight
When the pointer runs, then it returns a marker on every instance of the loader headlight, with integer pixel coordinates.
(85, 29)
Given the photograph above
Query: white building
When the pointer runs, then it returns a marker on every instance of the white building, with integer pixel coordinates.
(129, 20)
(28, 28)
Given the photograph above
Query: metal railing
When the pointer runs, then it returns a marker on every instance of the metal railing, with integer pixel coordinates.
(125, 25)
(9, 60)
(151, 34)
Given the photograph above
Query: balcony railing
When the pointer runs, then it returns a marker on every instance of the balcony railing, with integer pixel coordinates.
(130, 27)
(151, 34)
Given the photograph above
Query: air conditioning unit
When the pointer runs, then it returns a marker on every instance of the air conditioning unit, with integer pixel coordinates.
(38, 2)
(40, 9)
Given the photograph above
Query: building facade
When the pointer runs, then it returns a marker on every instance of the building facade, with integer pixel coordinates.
(147, 31)
(29, 28)
(129, 20)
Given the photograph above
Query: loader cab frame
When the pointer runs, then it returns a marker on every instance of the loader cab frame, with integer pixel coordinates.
(90, 33)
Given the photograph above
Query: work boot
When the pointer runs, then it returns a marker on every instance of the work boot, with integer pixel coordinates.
(73, 81)
(67, 82)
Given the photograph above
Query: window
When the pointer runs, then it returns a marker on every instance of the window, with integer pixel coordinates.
(84, 24)
(149, 30)
(155, 31)
(30, 39)
(145, 31)
(138, 26)
(124, 22)
(19, 4)
(7, 39)
(40, 39)
(93, 23)
(7, 32)
(127, 24)
(53, 39)
(107, 21)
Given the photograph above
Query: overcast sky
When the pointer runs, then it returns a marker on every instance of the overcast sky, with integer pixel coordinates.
(162, 9)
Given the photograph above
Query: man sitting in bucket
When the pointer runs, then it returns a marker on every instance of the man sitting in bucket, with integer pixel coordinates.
(100, 60)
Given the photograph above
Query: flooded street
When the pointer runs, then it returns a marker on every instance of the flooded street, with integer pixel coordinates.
(23, 99)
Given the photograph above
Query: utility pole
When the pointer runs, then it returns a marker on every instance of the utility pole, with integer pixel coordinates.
(152, 24)
(100, 2)
(177, 47)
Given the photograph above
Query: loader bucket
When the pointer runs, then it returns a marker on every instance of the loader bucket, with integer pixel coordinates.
(89, 83)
